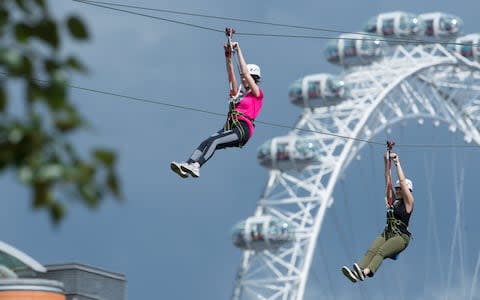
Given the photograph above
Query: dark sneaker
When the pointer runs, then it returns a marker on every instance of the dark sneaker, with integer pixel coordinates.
(177, 168)
(358, 272)
(349, 274)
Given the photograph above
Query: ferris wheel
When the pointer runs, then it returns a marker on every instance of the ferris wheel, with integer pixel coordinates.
(389, 77)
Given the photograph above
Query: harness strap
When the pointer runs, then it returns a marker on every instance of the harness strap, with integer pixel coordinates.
(394, 226)
(233, 122)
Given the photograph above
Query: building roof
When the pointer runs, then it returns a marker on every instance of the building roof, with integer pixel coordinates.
(15, 260)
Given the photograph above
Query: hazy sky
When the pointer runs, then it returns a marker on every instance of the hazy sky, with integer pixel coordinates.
(171, 237)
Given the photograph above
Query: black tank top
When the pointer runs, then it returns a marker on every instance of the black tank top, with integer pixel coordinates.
(400, 211)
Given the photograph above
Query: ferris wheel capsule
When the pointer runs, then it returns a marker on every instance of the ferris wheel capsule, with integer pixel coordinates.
(352, 49)
(398, 23)
(289, 152)
(262, 233)
(467, 46)
(318, 90)
(441, 25)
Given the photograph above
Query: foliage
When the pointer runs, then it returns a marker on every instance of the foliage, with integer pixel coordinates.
(35, 142)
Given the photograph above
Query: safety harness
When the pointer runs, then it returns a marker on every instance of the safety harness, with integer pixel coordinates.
(233, 114)
(394, 225)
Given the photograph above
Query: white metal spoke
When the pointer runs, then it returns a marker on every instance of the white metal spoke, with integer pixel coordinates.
(475, 276)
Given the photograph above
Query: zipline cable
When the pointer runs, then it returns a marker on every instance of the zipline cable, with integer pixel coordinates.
(374, 37)
(185, 107)
(279, 125)
(153, 17)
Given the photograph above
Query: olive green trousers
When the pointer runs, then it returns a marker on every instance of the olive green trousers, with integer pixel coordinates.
(382, 248)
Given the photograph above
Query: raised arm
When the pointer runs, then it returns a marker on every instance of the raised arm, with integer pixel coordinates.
(388, 175)
(407, 194)
(244, 71)
(230, 70)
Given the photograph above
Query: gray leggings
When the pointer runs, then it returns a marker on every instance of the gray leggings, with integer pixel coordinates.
(219, 140)
(382, 248)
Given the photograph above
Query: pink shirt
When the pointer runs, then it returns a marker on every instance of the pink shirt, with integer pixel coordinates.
(250, 106)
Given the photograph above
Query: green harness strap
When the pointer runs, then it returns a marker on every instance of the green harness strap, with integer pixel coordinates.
(232, 122)
(393, 225)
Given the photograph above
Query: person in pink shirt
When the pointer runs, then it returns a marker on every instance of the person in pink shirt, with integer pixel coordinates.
(245, 105)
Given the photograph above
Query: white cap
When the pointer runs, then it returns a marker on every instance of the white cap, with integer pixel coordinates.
(254, 70)
(409, 184)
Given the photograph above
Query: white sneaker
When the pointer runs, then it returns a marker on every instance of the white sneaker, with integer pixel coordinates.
(358, 272)
(191, 169)
(349, 274)
(177, 168)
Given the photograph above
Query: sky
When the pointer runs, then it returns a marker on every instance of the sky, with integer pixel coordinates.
(171, 237)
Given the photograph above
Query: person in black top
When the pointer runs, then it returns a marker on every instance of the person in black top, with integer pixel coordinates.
(395, 237)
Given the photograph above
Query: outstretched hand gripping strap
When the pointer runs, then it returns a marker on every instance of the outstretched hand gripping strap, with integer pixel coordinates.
(228, 53)
(229, 33)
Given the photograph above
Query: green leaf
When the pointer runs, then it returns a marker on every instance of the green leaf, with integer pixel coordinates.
(47, 31)
(3, 99)
(34, 91)
(55, 97)
(59, 77)
(7, 154)
(4, 16)
(75, 64)
(41, 194)
(25, 68)
(22, 32)
(50, 172)
(15, 135)
(105, 156)
(41, 3)
(85, 172)
(51, 65)
(57, 212)
(25, 174)
(77, 28)
(67, 121)
(70, 151)
(56, 92)
(10, 57)
(113, 185)
(17, 64)
(89, 195)
(23, 5)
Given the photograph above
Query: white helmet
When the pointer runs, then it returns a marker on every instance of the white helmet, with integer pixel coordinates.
(409, 184)
(254, 70)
